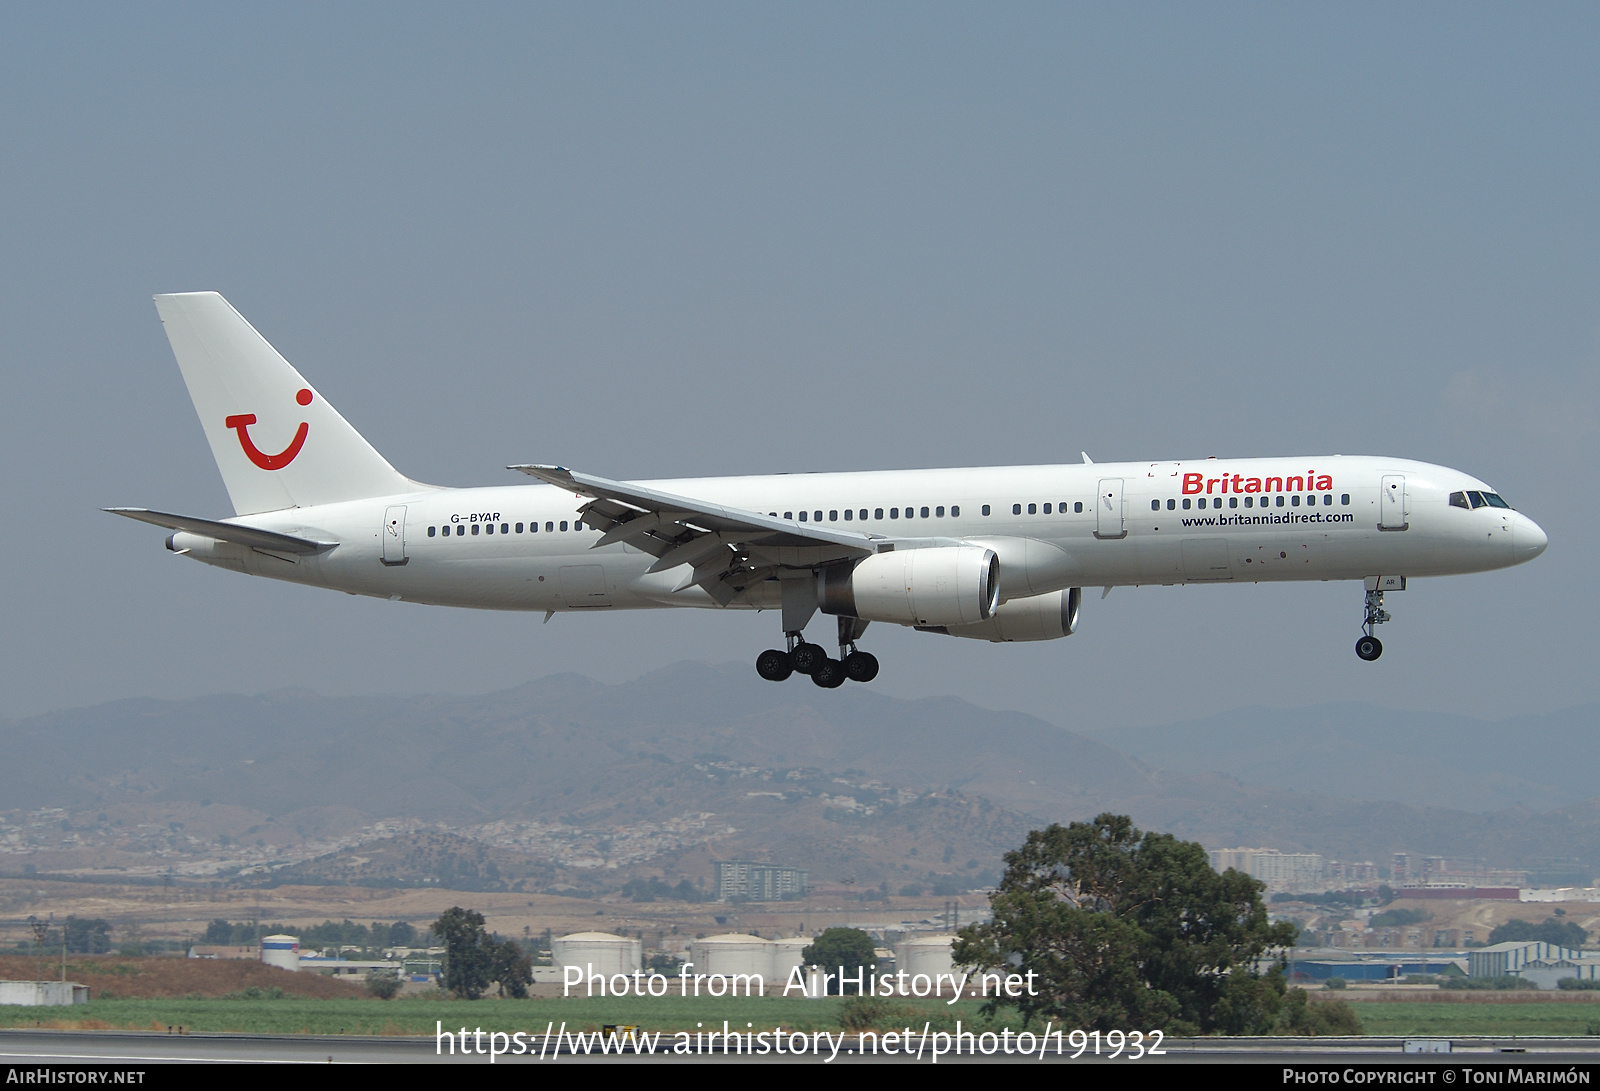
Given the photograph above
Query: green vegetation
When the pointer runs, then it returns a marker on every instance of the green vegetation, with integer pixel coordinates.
(1486, 984)
(1395, 918)
(842, 952)
(1578, 984)
(1550, 930)
(1499, 1019)
(654, 889)
(346, 933)
(1123, 929)
(473, 959)
(1333, 899)
(420, 1015)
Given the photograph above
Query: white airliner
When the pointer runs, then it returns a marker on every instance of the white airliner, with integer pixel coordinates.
(993, 553)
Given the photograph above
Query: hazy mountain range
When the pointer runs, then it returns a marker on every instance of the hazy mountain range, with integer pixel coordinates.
(663, 774)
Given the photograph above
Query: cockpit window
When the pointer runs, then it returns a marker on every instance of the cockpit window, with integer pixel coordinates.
(1459, 500)
(1494, 500)
(1477, 499)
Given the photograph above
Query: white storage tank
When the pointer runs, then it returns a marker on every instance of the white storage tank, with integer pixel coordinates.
(281, 951)
(928, 955)
(597, 953)
(786, 956)
(732, 953)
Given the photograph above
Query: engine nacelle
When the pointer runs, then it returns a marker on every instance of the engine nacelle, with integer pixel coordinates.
(1040, 617)
(943, 585)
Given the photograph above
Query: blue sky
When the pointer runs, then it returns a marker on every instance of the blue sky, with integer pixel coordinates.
(695, 239)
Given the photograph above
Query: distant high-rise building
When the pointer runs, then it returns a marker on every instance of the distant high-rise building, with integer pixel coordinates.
(1283, 871)
(746, 881)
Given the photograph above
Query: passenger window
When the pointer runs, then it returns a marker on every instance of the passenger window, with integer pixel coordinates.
(803, 516)
(924, 513)
(1186, 503)
(1216, 501)
(1078, 507)
(1171, 504)
(1233, 501)
(549, 527)
(505, 528)
(818, 517)
(519, 528)
(848, 514)
(1280, 500)
(894, 513)
(1327, 499)
(985, 509)
(431, 531)
(1033, 509)
(1344, 499)
(955, 511)
(475, 528)
(1294, 501)
(939, 511)
(1016, 509)
(563, 524)
(788, 515)
(489, 529)
(877, 513)
(533, 528)
(1047, 507)
(833, 516)
(863, 513)
(1155, 505)
(1249, 501)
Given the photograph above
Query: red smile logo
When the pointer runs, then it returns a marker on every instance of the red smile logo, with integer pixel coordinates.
(242, 423)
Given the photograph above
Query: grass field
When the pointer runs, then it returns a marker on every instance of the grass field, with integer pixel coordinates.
(1444, 1019)
(298, 1015)
(421, 1015)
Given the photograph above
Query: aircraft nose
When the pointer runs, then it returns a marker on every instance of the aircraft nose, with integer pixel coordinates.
(1528, 540)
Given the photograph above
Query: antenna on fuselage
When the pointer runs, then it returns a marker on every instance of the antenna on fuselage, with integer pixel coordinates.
(1087, 461)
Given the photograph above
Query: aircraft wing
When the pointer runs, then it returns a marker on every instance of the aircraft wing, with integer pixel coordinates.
(226, 532)
(728, 549)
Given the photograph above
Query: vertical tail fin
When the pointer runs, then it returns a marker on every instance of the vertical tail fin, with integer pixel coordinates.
(278, 443)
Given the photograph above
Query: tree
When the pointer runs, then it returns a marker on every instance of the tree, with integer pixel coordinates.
(1550, 930)
(511, 969)
(88, 937)
(841, 951)
(1130, 930)
(466, 952)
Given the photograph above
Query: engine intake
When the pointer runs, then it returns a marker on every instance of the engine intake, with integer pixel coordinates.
(942, 585)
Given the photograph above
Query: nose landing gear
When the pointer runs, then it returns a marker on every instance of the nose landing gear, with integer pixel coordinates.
(804, 658)
(1369, 647)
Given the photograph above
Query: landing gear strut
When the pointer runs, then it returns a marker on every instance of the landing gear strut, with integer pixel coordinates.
(804, 658)
(1369, 647)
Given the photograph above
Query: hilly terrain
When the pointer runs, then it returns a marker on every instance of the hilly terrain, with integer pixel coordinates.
(569, 784)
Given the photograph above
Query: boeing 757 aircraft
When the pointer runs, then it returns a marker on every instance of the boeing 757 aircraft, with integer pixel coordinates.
(991, 553)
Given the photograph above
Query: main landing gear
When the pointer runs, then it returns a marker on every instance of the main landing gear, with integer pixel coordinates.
(813, 659)
(1369, 647)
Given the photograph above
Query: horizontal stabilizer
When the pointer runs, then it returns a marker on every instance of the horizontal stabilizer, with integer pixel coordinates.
(226, 532)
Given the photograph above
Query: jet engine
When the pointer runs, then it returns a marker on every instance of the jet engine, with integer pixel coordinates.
(1039, 617)
(940, 585)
